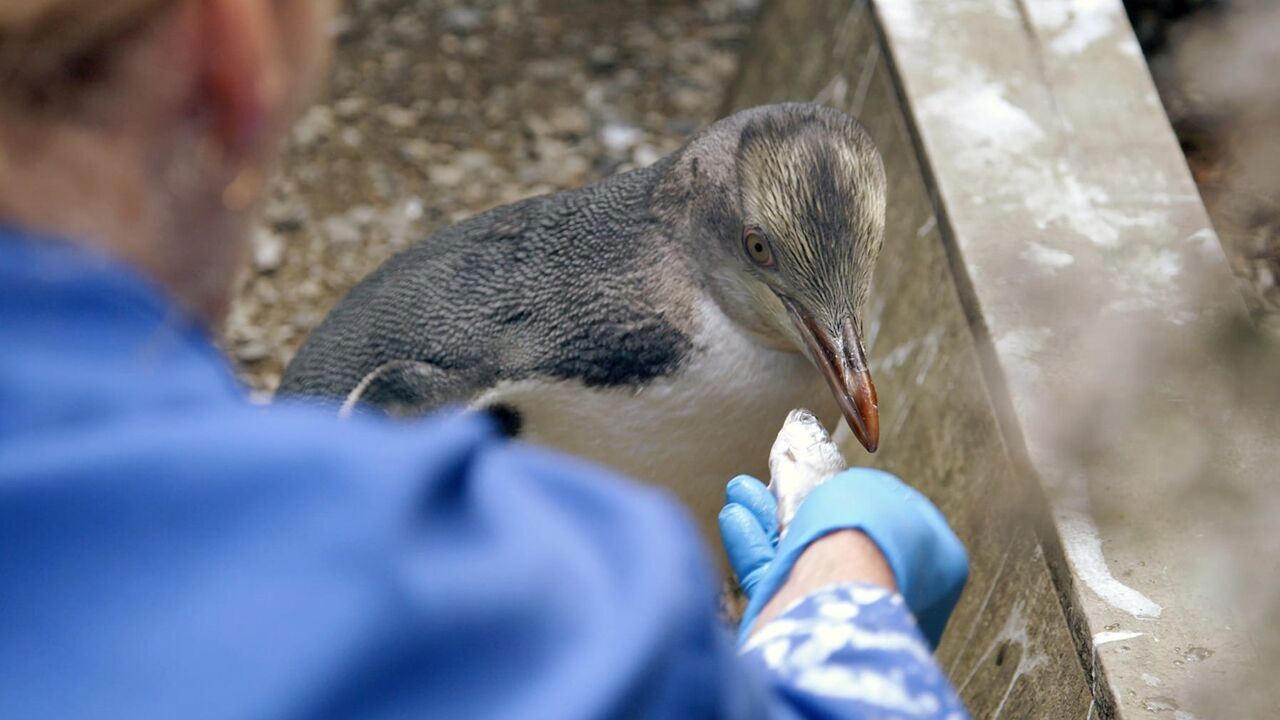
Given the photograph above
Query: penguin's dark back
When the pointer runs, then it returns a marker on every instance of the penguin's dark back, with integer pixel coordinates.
(560, 286)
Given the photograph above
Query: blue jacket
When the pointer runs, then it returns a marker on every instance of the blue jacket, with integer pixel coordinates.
(170, 550)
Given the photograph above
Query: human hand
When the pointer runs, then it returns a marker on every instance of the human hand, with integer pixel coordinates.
(928, 562)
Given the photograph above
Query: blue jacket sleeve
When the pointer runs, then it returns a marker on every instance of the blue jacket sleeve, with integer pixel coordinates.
(853, 651)
(252, 564)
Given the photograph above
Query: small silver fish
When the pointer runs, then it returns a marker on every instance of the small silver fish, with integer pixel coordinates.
(802, 458)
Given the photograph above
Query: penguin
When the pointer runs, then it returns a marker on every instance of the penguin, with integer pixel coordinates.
(660, 321)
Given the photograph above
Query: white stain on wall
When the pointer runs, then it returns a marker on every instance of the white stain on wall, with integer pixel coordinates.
(978, 107)
(1047, 257)
(1014, 633)
(1110, 636)
(904, 17)
(1083, 546)
(1166, 267)
(1073, 25)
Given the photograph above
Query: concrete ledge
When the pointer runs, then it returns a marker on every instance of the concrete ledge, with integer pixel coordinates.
(1044, 234)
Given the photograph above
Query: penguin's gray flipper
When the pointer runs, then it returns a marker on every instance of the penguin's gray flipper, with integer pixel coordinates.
(412, 387)
(408, 387)
(556, 287)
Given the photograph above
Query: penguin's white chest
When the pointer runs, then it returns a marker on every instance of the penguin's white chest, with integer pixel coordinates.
(691, 432)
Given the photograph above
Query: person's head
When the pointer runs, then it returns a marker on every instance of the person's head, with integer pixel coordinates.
(147, 127)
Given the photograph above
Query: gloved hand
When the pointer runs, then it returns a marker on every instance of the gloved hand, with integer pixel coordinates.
(927, 559)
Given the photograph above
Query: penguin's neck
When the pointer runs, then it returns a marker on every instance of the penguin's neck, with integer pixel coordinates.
(715, 417)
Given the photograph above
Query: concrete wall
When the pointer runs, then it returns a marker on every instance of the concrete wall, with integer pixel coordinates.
(1036, 196)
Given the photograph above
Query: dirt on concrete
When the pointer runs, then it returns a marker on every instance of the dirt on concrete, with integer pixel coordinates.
(1214, 63)
(439, 109)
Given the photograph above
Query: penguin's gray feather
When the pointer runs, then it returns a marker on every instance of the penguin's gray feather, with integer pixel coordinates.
(556, 286)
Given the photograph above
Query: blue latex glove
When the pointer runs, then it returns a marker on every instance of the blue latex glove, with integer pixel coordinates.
(927, 559)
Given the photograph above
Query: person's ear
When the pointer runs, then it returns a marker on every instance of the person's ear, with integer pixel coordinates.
(241, 71)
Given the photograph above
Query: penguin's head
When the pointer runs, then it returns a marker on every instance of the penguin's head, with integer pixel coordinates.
(787, 216)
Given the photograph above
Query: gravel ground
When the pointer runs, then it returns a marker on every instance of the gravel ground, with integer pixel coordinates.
(440, 109)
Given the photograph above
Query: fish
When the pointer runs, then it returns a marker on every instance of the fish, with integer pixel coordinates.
(802, 457)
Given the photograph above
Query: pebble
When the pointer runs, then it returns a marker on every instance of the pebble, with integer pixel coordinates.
(399, 117)
(253, 351)
(571, 120)
(473, 160)
(414, 209)
(352, 138)
(603, 58)
(645, 155)
(316, 124)
(475, 47)
(350, 108)
(535, 125)
(569, 171)
(619, 138)
(285, 215)
(416, 151)
(462, 20)
(447, 176)
(268, 250)
(687, 100)
(341, 230)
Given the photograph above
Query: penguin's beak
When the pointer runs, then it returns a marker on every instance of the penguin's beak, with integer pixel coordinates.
(843, 361)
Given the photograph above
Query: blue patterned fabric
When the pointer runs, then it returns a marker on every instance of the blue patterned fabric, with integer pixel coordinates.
(854, 651)
(169, 550)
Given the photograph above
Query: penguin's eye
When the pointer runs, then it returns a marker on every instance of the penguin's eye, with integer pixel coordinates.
(757, 247)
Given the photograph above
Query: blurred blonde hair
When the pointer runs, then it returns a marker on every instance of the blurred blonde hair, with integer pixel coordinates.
(42, 41)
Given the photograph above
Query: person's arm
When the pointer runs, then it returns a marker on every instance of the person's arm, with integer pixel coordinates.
(826, 620)
(844, 556)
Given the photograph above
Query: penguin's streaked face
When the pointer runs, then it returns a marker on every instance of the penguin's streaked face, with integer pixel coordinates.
(797, 252)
